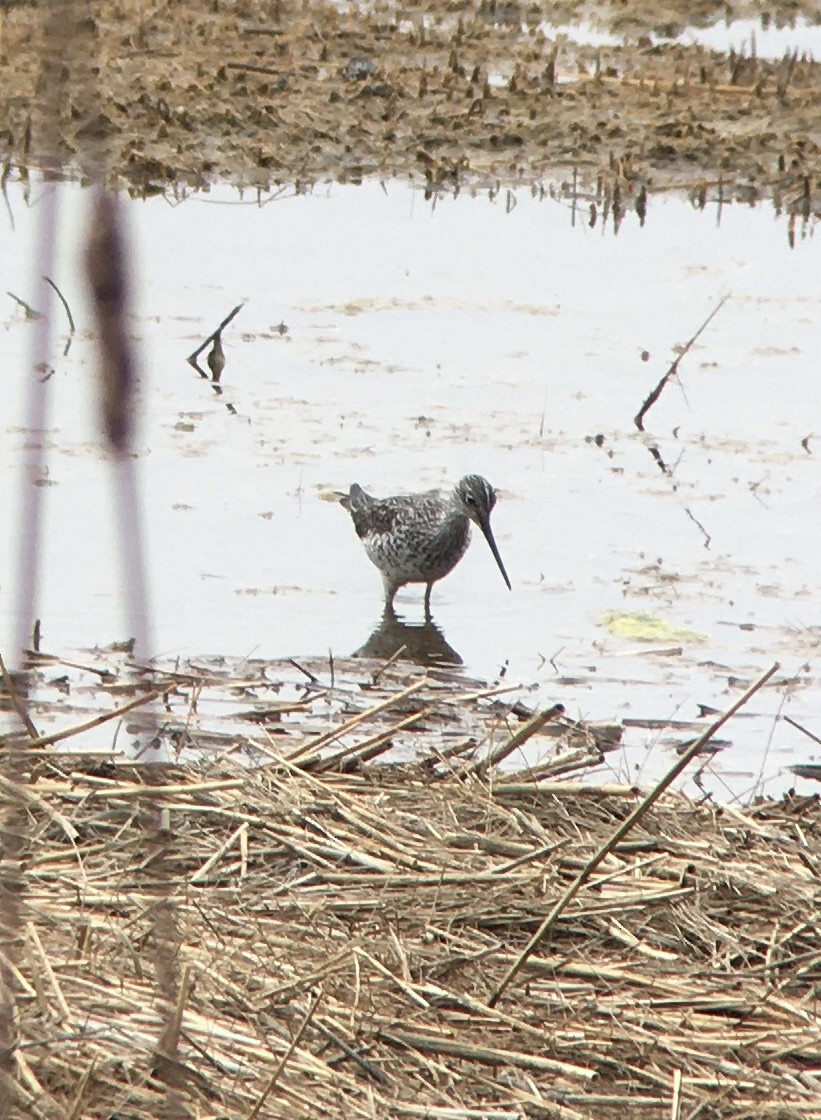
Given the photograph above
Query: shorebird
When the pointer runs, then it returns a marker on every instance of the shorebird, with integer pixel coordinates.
(419, 538)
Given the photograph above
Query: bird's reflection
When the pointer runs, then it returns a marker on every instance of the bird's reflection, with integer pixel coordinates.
(423, 643)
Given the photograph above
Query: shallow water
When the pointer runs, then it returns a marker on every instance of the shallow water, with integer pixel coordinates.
(748, 37)
(425, 341)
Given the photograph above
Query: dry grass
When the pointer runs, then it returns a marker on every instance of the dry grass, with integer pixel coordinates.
(334, 939)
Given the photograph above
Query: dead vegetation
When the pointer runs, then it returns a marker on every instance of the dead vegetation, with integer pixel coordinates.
(337, 936)
(453, 95)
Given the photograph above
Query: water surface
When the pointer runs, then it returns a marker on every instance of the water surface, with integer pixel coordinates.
(425, 341)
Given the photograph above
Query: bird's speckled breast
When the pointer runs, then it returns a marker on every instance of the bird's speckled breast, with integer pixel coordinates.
(425, 542)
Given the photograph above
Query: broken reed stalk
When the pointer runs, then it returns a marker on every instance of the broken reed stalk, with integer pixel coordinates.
(17, 702)
(383, 668)
(379, 743)
(369, 748)
(27, 308)
(438, 1044)
(551, 768)
(236, 836)
(334, 1035)
(622, 831)
(88, 724)
(336, 733)
(35, 657)
(64, 301)
(20, 795)
(295, 1041)
(212, 337)
(532, 727)
(638, 419)
(800, 727)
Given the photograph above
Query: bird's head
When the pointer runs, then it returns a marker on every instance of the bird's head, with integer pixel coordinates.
(477, 497)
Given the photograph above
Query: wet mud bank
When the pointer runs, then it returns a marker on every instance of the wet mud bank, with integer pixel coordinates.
(456, 95)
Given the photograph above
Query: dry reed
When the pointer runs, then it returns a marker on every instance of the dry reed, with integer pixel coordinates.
(340, 933)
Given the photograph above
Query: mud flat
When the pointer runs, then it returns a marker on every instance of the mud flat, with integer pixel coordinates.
(616, 99)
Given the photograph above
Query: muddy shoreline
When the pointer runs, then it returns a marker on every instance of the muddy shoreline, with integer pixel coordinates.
(455, 96)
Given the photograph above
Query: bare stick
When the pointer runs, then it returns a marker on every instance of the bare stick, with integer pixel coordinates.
(697, 523)
(306, 672)
(192, 358)
(303, 1026)
(169, 1043)
(800, 727)
(17, 701)
(622, 831)
(370, 748)
(30, 312)
(367, 1067)
(638, 419)
(39, 657)
(64, 302)
(533, 725)
(329, 736)
(383, 668)
(87, 725)
(253, 68)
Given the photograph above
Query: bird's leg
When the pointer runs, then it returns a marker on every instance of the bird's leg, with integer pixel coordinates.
(428, 590)
(390, 590)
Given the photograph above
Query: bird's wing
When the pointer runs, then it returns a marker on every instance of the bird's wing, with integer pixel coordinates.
(373, 516)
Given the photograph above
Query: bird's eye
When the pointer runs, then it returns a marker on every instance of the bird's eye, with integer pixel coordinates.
(471, 501)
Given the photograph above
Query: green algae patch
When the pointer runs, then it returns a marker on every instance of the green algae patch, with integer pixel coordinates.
(638, 626)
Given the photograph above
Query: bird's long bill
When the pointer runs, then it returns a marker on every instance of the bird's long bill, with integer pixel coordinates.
(484, 525)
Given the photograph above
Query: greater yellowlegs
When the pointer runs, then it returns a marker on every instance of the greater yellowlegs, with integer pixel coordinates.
(419, 538)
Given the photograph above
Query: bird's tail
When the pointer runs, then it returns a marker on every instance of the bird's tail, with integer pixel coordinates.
(355, 499)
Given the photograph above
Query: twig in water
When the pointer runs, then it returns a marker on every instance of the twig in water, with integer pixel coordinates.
(800, 727)
(533, 725)
(30, 312)
(311, 676)
(330, 736)
(660, 463)
(697, 523)
(766, 754)
(622, 831)
(64, 302)
(217, 352)
(638, 419)
(347, 758)
(17, 701)
(387, 664)
(88, 724)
